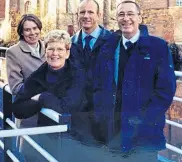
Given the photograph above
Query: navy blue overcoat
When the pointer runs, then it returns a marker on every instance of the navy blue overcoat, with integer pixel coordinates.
(148, 88)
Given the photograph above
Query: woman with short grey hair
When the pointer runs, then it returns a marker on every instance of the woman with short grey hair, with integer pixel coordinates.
(53, 85)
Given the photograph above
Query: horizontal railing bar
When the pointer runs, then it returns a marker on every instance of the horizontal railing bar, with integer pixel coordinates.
(177, 99)
(178, 73)
(173, 148)
(33, 131)
(43, 152)
(179, 81)
(51, 114)
(173, 123)
(47, 112)
(10, 154)
(3, 48)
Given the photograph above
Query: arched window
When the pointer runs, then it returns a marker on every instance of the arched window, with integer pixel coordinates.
(27, 6)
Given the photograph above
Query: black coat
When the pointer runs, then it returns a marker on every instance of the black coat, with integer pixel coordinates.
(65, 96)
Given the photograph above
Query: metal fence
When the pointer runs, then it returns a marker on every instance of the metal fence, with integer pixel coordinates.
(11, 130)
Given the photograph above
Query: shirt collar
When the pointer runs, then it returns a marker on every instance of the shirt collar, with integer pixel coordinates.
(34, 49)
(95, 34)
(133, 39)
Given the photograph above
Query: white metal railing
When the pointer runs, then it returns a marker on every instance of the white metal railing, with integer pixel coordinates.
(47, 112)
(30, 131)
(9, 153)
(168, 146)
(42, 151)
(3, 48)
(178, 73)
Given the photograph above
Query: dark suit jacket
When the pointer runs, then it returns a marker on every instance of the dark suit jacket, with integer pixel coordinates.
(85, 65)
(77, 52)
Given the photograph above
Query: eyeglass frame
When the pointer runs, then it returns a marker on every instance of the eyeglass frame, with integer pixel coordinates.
(129, 14)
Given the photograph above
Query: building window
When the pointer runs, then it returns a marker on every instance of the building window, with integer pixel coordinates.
(178, 2)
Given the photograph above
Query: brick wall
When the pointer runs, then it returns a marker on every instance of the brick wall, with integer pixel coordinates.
(2, 9)
(176, 13)
(172, 3)
(156, 4)
(160, 23)
(153, 4)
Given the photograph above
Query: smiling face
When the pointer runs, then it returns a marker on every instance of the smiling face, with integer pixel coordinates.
(88, 16)
(128, 18)
(31, 32)
(56, 54)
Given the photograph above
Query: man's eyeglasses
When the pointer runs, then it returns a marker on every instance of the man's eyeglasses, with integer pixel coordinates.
(129, 15)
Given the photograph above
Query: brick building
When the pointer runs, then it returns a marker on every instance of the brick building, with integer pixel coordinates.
(2, 15)
(2, 10)
(161, 16)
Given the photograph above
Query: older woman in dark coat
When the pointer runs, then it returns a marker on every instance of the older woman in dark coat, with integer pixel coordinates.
(55, 85)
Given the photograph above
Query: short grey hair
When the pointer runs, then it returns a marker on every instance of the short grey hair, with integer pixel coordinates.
(58, 36)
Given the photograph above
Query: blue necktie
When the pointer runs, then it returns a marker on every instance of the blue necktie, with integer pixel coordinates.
(87, 48)
(129, 45)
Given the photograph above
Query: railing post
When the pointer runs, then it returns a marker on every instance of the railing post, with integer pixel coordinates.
(65, 119)
(7, 102)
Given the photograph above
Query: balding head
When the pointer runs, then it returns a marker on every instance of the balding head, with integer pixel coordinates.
(87, 1)
(88, 15)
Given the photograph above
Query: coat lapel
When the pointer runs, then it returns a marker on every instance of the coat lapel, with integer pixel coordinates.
(109, 51)
(26, 49)
(77, 40)
(101, 39)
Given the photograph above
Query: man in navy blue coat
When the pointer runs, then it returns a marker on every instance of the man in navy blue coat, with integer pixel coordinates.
(86, 44)
(134, 85)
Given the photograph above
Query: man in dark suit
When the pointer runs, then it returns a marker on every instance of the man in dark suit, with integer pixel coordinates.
(133, 88)
(88, 40)
(86, 44)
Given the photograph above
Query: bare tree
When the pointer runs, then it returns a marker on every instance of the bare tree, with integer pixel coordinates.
(106, 10)
(113, 4)
(57, 14)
